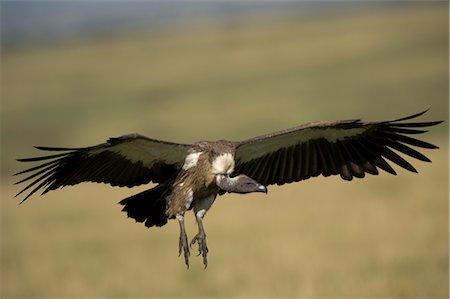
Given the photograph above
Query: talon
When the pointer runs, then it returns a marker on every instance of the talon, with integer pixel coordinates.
(200, 239)
(192, 242)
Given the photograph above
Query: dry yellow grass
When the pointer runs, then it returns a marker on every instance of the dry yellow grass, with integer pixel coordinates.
(383, 236)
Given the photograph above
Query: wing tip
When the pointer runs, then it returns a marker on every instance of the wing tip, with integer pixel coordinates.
(416, 115)
(413, 116)
(26, 197)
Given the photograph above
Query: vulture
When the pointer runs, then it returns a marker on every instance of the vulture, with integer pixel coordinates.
(190, 176)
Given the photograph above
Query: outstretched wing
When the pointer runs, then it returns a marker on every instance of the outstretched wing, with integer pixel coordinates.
(349, 148)
(129, 160)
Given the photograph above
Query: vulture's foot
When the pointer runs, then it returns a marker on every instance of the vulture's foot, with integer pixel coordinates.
(183, 247)
(183, 242)
(200, 239)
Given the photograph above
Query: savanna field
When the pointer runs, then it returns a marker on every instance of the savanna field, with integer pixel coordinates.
(381, 237)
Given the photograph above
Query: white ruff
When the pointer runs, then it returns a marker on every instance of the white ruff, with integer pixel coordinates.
(223, 164)
(191, 160)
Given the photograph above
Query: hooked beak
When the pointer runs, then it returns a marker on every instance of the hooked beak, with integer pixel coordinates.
(262, 188)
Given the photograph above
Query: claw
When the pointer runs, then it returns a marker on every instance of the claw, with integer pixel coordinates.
(195, 240)
(200, 239)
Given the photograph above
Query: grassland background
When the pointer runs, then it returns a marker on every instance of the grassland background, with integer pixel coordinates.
(381, 237)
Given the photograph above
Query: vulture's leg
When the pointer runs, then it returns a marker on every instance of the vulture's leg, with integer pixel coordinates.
(183, 243)
(200, 238)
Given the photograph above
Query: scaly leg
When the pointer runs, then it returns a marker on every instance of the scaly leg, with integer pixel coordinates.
(200, 238)
(183, 242)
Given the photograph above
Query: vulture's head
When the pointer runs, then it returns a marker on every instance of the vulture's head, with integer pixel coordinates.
(239, 184)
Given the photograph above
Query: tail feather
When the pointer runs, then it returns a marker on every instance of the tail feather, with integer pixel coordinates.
(148, 206)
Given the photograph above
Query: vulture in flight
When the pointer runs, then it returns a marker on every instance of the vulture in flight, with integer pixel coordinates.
(190, 176)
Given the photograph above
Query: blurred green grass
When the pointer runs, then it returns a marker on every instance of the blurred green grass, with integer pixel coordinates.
(378, 237)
